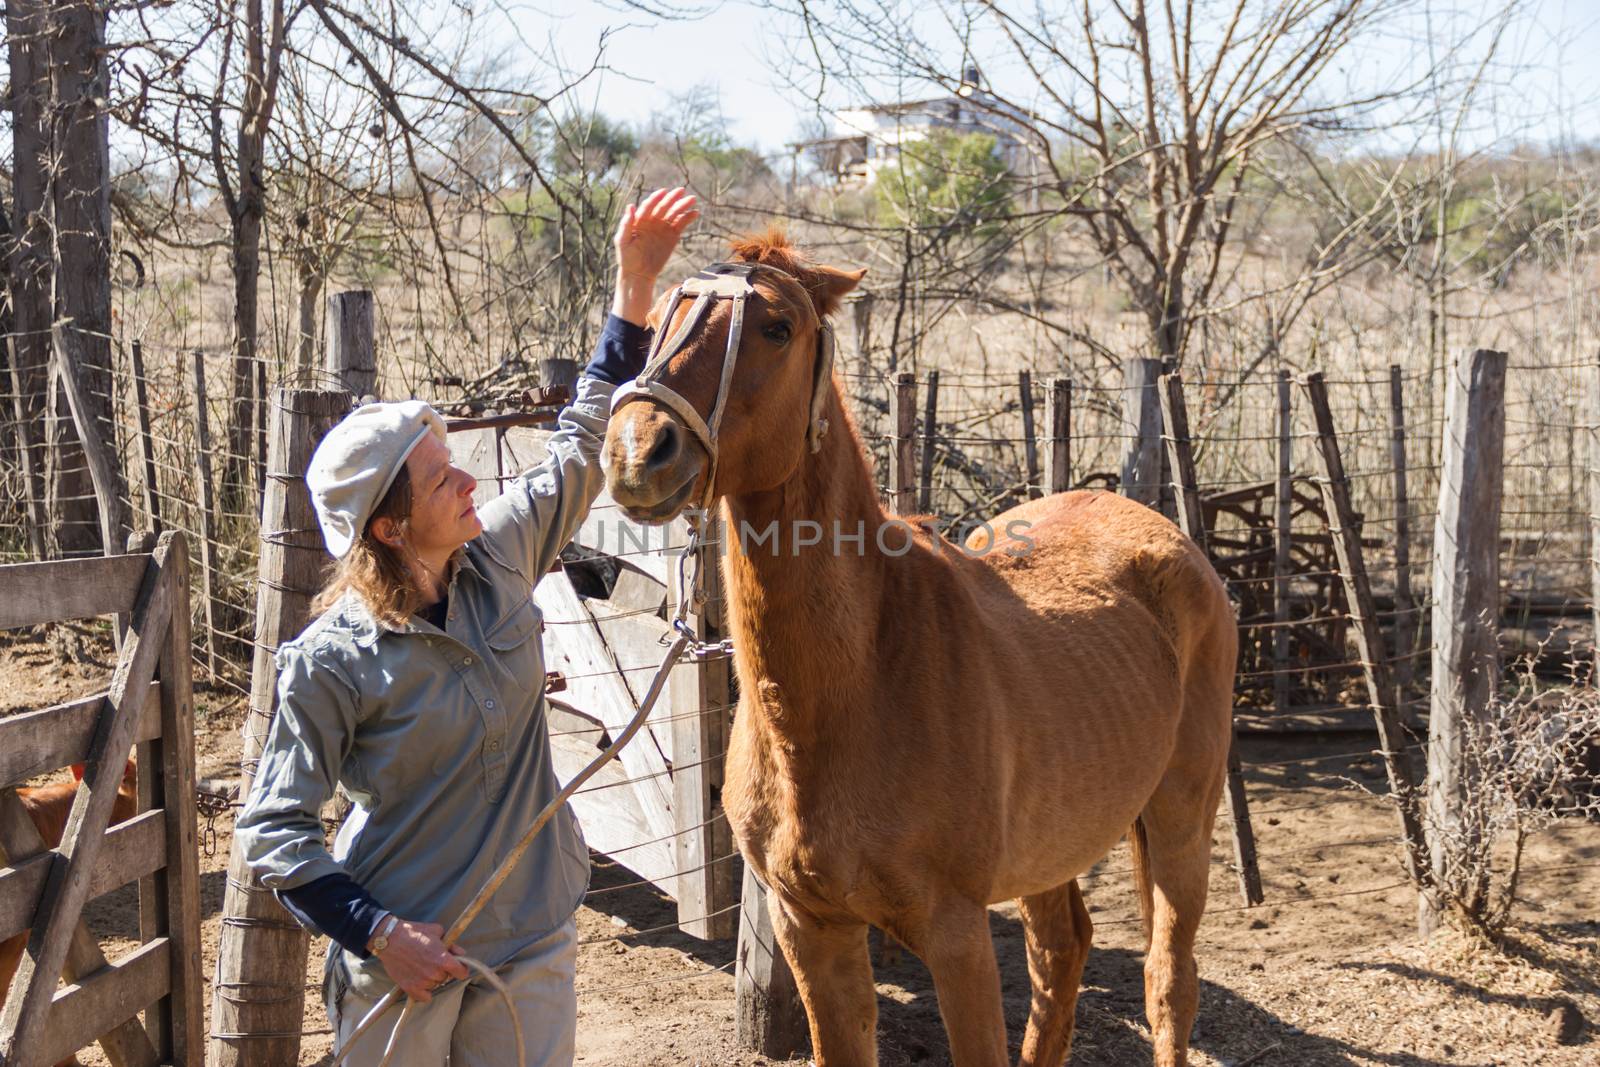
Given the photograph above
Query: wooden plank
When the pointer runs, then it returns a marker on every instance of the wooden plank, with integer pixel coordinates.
(175, 892)
(902, 457)
(206, 502)
(147, 452)
(125, 1045)
(352, 348)
(1466, 609)
(636, 591)
(699, 699)
(261, 949)
(1058, 416)
(635, 641)
(1368, 634)
(38, 742)
(66, 889)
(771, 1018)
(1186, 494)
(930, 433)
(1030, 444)
(477, 453)
(1406, 622)
(131, 850)
(608, 809)
(58, 590)
(96, 1002)
(1283, 542)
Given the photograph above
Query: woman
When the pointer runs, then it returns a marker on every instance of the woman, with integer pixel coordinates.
(419, 688)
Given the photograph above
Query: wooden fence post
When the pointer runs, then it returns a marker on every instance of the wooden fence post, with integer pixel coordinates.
(1030, 443)
(352, 350)
(559, 373)
(147, 452)
(700, 693)
(1406, 622)
(205, 502)
(902, 457)
(1141, 474)
(1058, 416)
(29, 453)
(1283, 542)
(1466, 604)
(1594, 512)
(261, 962)
(1186, 495)
(263, 403)
(1368, 635)
(771, 1018)
(930, 430)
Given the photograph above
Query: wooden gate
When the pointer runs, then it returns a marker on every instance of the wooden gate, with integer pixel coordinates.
(149, 703)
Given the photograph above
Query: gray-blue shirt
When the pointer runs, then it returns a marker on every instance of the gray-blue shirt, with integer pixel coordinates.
(437, 735)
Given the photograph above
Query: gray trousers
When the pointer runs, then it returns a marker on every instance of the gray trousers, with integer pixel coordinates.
(466, 1023)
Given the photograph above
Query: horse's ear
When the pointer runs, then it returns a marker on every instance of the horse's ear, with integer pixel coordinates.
(828, 286)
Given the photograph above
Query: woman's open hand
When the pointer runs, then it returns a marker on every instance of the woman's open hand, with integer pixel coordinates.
(417, 960)
(646, 236)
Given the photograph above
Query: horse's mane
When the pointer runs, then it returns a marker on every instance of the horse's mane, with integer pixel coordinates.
(771, 246)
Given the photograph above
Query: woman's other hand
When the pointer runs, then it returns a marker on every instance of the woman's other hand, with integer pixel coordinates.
(417, 960)
(646, 236)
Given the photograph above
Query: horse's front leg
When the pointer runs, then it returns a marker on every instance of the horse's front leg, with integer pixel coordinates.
(834, 975)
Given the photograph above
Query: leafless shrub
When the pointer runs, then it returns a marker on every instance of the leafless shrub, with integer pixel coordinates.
(1531, 763)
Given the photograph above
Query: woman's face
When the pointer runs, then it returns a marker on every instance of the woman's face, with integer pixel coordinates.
(442, 515)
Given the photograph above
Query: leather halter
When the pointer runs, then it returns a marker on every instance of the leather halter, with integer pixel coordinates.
(721, 281)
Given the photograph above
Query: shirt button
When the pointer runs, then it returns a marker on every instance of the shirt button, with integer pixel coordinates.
(489, 704)
(494, 746)
(467, 661)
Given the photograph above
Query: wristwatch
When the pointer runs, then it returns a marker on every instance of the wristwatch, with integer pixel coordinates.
(380, 940)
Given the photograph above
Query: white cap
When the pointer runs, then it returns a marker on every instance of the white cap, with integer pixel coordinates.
(357, 462)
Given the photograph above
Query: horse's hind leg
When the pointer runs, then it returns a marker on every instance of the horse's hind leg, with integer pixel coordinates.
(1173, 864)
(1056, 924)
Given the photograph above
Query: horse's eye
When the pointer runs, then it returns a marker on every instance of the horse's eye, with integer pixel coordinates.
(778, 333)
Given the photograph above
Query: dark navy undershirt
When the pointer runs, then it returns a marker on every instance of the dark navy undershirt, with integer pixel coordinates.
(620, 353)
(336, 904)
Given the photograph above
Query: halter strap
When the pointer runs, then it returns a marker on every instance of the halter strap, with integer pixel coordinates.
(721, 281)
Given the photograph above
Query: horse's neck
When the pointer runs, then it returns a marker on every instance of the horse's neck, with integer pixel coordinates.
(802, 623)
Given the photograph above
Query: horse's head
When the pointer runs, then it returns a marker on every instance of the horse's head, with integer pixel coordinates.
(706, 419)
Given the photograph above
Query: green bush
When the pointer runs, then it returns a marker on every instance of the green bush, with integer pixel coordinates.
(949, 178)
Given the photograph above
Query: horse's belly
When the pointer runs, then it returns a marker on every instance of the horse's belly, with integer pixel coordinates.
(1056, 858)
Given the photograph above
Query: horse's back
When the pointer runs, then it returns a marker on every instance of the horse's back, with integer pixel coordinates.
(1055, 549)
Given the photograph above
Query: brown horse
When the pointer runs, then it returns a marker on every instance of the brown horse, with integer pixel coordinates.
(922, 732)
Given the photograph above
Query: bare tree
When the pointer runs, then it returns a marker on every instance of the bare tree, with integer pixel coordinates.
(1152, 124)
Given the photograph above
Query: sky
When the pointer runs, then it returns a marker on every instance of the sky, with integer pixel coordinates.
(1549, 66)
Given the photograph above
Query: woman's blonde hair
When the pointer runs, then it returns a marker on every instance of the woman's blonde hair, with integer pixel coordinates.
(374, 571)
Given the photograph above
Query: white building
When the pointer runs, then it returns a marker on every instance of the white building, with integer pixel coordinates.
(866, 139)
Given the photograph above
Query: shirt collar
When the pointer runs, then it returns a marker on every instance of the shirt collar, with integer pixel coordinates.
(367, 628)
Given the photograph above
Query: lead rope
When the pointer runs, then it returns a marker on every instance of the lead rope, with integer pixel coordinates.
(691, 599)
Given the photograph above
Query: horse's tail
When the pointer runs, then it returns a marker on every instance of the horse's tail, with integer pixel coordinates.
(1139, 844)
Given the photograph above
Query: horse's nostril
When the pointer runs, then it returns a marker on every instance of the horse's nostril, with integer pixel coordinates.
(666, 449)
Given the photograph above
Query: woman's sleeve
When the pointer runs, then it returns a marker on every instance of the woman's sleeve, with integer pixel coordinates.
(540, 510)
(280, 828)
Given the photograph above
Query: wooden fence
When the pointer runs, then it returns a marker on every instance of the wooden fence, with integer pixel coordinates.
(148, 704)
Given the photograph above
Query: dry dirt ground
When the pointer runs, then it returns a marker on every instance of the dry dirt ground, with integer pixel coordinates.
(1328, 972)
